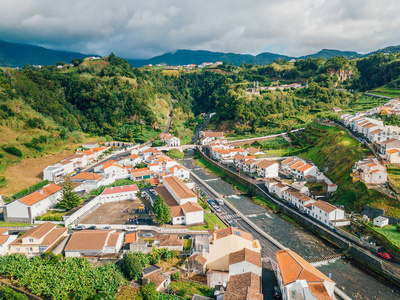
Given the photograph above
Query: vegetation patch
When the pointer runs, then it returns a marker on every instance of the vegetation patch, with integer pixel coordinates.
(29, 190)
(51, 215)
(210, 219)
(188, 289)
(175, 153)
(265, 203)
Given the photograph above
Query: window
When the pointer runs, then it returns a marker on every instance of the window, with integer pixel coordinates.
(17, 249)
(30, 240)
(326, 214)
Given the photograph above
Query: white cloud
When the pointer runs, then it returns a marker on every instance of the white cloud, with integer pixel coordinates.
(138, 29)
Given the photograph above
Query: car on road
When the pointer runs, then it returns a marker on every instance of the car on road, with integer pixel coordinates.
(229, 220)
(149, 234)
(277, 292)
(80, 227)
(385, 255)
(106, 228)
(217, 208)
(92, 228)
(130, 228)
(233, 224)
(210, 201)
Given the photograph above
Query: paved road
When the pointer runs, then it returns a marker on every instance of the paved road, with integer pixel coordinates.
(268, 248)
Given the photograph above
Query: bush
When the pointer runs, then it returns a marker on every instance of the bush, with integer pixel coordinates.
(7, 293)
(176, 275)
(398, 226)
(35, 123)
(13, 150)
(131, 266)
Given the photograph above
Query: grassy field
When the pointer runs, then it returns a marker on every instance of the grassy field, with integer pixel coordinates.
(386, 91)
(5, 224)
(202, 163)
(210, 219)
(52, 215)
(364, 103)
(32, 168)
(394, 174)
(188, 289)
(391, 233)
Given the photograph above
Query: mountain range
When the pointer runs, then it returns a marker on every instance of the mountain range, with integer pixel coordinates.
(18, 55)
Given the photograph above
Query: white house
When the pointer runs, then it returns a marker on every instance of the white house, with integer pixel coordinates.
(131, 160)
(298, 279)
(6, 240)
(267, 168)
(91, 181)
(381, 221)
(327, 214)
(39, 239)
(370, 171)
(182, 202)
(141, 174)
(298, 168)
(116, 171)
(244, 261)
(392, 156)
(181, 172)
(54, 173)
(170, 140)
(27, 208)
(94, 243)
(119, 193)
(254, 151)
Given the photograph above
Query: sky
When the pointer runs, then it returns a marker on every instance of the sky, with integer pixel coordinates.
(143, 29)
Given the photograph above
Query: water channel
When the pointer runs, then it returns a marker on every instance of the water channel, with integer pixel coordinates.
(356, 282)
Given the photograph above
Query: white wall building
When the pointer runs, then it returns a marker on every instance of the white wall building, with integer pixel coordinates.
(327, 214)
(27, 208)
(119, 193)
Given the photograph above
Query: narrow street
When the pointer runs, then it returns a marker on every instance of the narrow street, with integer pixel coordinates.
(350, 277)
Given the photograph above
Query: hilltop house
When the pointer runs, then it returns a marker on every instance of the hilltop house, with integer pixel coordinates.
(38, 240)
(27, 208)
(267, 168)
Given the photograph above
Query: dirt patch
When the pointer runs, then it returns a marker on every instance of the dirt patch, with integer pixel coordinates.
(30, 170)
(117, 213)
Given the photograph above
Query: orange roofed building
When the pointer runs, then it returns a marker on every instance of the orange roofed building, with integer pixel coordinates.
(39, 239)
(298, 279)
(27, 208)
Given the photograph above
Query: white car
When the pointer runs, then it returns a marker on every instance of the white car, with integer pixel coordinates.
(153, 192)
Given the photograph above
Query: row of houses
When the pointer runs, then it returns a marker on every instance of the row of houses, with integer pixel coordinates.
(298, 196)
(80, 159)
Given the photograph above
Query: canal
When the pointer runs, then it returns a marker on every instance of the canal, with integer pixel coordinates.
(353, 279)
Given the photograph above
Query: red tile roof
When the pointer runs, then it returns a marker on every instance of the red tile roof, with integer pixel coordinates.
(120, 189)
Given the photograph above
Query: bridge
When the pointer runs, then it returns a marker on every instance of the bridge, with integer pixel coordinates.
(180, 148)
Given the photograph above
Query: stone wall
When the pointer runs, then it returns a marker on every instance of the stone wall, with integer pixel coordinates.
(373, 212)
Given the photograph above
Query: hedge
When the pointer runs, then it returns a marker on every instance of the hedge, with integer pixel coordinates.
(30, 189)
(13, 150)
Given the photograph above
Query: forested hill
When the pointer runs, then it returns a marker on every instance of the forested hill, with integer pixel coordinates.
(18, 55)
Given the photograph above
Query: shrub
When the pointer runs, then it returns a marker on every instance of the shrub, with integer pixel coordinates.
(13, 150)
(7, 293)
(30, 189)
(176, 275)
(35, 123)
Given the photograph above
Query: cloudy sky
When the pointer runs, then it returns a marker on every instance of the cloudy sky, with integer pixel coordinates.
(143, 29)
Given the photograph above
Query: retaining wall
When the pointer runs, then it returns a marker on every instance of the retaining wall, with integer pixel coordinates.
(81, 211)
(351, 250)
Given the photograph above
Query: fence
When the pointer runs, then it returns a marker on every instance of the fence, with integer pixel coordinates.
(81, 211)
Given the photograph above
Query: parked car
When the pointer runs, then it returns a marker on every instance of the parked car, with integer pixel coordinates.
(80, 227)
(149, 234)
(217, 208)
(233, 224)
(92, 228)
(277, 292)
(237, 169)
(229, 220)
(385, 255)
(153, 192)
(131, 228)
(106, 228)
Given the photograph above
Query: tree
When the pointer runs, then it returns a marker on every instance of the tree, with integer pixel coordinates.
(149, 291)
(76, 62)
(69, 198)
(131, 266)
(161, 210)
